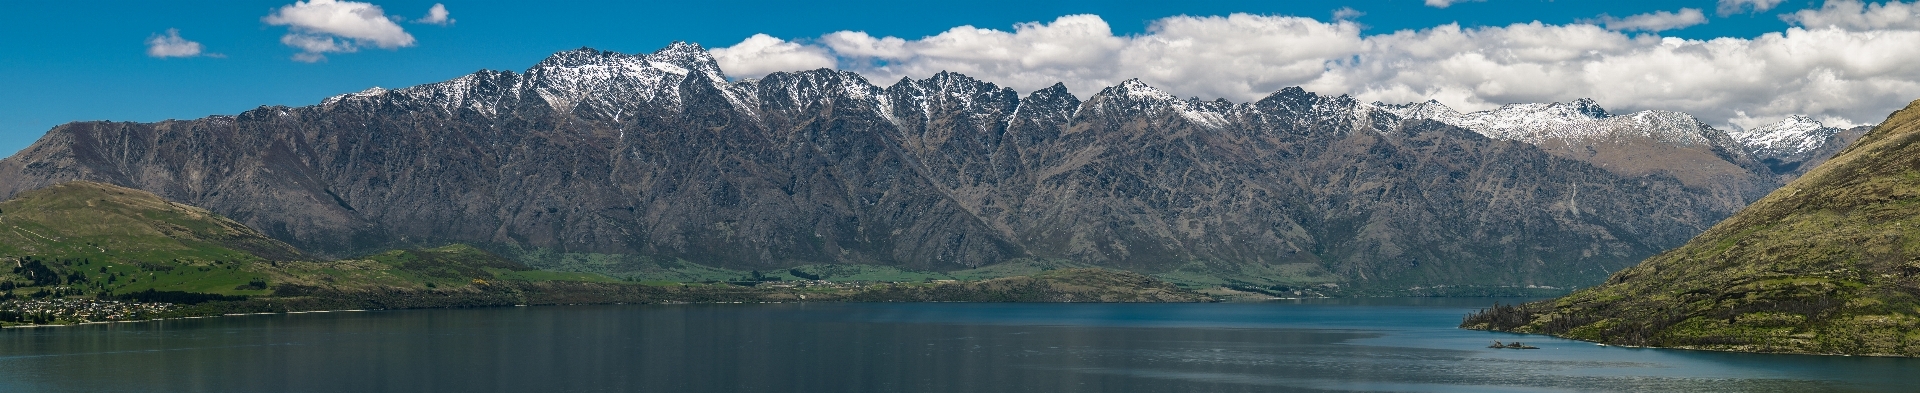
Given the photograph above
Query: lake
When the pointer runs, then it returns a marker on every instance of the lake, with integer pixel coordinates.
(1318, 345)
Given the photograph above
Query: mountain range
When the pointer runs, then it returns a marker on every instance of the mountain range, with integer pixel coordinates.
(617, 163)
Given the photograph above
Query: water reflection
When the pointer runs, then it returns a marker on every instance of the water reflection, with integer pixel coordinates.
(1407, 345)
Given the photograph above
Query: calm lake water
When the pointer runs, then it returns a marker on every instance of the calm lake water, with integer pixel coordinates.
(1350, 345)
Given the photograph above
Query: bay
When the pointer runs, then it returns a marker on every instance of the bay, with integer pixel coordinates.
(1308, 345)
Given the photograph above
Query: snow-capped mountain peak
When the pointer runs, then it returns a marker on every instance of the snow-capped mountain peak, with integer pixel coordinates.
(610, 81)
(1526, 122)
(1674, 128)
(1133, 95)
(576, 58)
(687, 56)
(1587, 107)
(1792, 136)
(1138, 90)
(369, 92)
(1419, 110)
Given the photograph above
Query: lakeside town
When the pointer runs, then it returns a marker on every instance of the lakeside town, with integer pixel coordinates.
(77, 310)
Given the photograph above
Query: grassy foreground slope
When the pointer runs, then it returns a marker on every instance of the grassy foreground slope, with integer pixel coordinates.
(1829, 264)
(70, 251)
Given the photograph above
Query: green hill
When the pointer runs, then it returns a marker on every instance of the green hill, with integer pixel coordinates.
(85, 237)
(102, 240)
(87, 219)
(1828, 264)
(79, 248)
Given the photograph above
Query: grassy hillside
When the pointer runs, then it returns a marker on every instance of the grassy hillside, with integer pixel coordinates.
(103, 241)
(84, 237)
(1827, 264)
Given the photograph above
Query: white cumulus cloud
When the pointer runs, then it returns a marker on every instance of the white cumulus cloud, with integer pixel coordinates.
(1077, 48)
(1655, 21)
(762, 54)
(1724, 80)
(1730, 7)
(1857, 16)
(436, 16)
(318, 27)
(1838, 75)
(171, 45)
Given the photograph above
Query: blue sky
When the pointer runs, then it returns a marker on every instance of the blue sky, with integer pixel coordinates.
(78, 61)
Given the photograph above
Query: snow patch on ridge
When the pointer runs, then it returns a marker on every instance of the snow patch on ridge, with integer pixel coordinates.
(1579, 120)
(369, 92)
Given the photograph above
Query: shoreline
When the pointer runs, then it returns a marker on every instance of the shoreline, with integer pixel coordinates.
(670, 302)
(1683, 348)
(1702, 349)
(190, 317)
(682, 302)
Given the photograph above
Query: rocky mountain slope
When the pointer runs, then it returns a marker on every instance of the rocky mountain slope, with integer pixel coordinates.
(1830, 263)
(639, 160)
